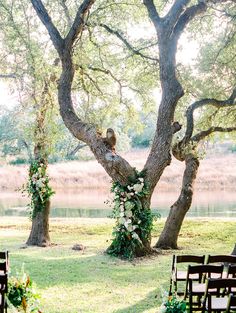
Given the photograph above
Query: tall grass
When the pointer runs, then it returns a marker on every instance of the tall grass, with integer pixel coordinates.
(90, 175)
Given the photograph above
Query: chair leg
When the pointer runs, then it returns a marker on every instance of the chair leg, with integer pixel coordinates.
(170, 289)
(190, 304)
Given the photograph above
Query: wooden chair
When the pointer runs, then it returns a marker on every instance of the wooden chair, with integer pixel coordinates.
(217, 301)
(221, 259)
(196, 289)
(178, 275)
(3, 291)
(231, 305)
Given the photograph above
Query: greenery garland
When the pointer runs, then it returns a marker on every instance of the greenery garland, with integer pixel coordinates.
(38, 188)
(133, 221)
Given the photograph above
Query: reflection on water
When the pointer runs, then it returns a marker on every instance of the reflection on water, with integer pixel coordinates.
(91, 204)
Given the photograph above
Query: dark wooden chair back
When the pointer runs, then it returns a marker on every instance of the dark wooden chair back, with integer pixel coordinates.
(219, 288)
(199, 259)
(3, 291)
(3, 255)
(3, 268)
(4, 258)
(231, 306)
(205, 271)
(221, 258)
(223, 285)
(231, 272)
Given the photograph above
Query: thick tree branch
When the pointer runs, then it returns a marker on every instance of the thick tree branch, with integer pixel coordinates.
(78, 23)
(198, 104)
(152, 12)
(203, 134)
(175, 11)
(127, 44)
(187, 16)
(51, 28)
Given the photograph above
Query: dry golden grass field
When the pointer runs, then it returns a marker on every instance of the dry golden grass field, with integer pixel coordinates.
(215, 173)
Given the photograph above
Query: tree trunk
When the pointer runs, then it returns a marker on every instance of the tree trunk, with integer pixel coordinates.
(39, 235)
(169, 236)
(39, 189)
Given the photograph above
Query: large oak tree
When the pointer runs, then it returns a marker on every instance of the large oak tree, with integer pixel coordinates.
(169, 27)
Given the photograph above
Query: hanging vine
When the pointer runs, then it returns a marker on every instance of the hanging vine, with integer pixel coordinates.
(38, 188)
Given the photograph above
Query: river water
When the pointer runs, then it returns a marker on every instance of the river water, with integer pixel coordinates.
(92, 204)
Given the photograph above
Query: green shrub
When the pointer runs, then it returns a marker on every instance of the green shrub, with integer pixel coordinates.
(21, 294)
(173, 304)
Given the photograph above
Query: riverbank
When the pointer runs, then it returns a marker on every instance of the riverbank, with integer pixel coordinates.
(215, 173)
(91, 281)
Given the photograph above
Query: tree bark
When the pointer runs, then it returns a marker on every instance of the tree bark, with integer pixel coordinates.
(169, 235)
(39, 235)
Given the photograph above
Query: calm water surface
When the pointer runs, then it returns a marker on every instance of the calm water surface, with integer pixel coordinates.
(91, 204)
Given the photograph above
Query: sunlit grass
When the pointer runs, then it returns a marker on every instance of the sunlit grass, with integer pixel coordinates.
(92, 282)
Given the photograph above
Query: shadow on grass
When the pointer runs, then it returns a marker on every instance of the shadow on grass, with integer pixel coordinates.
(149, 302)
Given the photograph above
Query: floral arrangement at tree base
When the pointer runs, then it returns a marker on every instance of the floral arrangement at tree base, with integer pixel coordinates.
(21, 296)
(134, 220)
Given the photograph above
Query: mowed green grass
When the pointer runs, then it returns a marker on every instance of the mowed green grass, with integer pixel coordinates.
(90, 281)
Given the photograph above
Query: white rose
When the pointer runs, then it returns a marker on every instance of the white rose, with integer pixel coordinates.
(129, 228)
(138, 188)
(129, 213)
(141, 179)
(122, 220)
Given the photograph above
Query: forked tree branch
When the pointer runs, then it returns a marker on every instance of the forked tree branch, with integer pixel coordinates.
(76, 28)
(198, 104)
(203, 134)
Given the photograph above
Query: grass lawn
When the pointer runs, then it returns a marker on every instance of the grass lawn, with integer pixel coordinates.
(90, 281)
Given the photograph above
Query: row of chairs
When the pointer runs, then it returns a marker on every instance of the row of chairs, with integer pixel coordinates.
(211, 286)
(4, 267)
(180, 275)
(209, 292)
